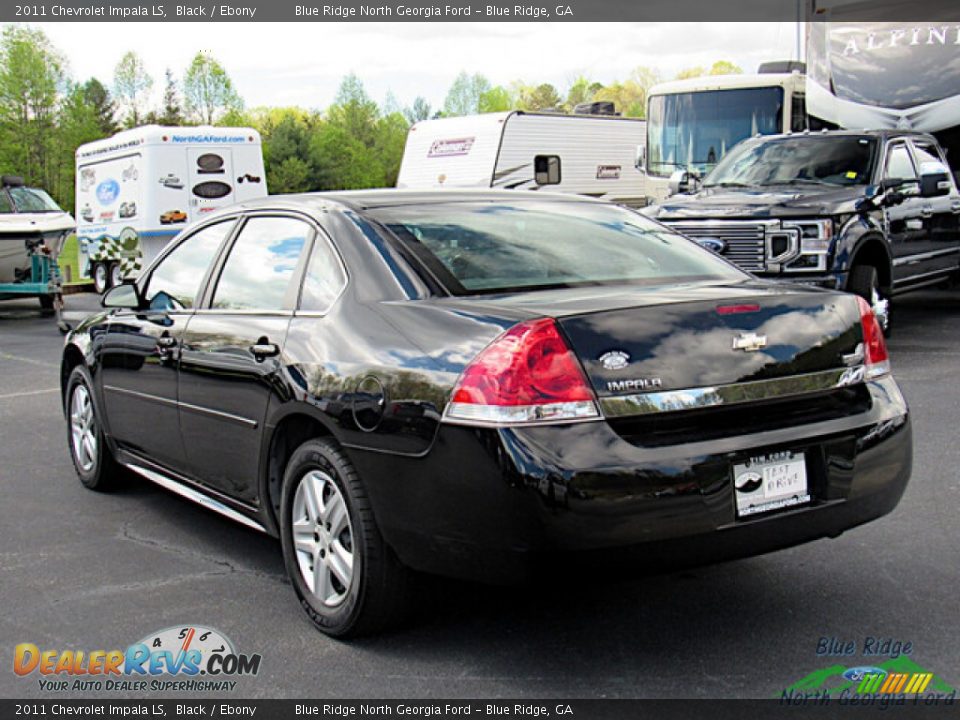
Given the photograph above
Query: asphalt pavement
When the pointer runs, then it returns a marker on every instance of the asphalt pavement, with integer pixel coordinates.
(92, 571)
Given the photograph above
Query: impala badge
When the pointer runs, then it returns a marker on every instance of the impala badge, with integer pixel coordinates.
(749, 342)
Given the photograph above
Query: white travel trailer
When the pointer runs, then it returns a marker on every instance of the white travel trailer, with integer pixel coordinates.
(137, 189)
(692, 123)
(592, 155)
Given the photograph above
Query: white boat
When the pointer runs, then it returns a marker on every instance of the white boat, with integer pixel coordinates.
(27, 216)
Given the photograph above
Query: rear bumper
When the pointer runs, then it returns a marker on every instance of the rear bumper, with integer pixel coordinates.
(499, 505)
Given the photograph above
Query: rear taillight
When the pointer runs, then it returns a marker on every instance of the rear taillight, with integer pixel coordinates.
(527, 375)
(875, 358)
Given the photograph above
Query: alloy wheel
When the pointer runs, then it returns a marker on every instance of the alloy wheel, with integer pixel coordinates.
(323, 537)
(83, 429)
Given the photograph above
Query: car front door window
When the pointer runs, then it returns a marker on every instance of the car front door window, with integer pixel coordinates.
(175, 282)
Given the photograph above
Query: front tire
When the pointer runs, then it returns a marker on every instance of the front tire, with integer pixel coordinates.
(91, 457)
(101, 277)
(348, 580)
(865, 282)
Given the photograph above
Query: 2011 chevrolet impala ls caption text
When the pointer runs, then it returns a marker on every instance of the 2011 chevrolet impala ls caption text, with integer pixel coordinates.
(480, 384)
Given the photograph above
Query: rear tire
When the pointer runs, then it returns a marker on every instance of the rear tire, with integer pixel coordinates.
(865, 282)
(101, 277)
(91, 457)
(46, 304)
(348, 580)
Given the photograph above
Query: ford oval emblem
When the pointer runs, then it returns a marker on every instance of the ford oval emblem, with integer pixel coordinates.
(713, 244)
(107, 191)
(856, 674)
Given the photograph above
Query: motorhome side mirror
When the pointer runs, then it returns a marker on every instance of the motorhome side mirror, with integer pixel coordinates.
(121, 296)
(641, 159)
(546, 169)
(934, 179)
(683, 182)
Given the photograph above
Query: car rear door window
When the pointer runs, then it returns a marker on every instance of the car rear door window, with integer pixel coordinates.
(258, 271)
(175, 282)
(324, 279)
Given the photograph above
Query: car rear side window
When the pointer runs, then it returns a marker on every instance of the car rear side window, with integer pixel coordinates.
(507, 246)
(175, 282)
(258, 272)
(324, 279)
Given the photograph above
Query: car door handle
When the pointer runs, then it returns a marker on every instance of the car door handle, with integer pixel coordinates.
(955, 207)
(926, 211)
(265, 349)
(166, 342)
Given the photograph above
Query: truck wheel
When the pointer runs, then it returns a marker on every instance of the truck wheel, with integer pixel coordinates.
(46, 304)
(348, 580)
(100, 277)
(116, 275)
(865, 282)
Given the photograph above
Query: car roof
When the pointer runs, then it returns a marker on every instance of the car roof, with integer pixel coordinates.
(392, 197)
(881, 133)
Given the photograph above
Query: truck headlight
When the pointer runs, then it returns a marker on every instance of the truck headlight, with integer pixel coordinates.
(816, 237)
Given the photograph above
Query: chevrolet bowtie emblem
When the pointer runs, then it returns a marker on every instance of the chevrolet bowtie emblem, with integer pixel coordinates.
(749, 342)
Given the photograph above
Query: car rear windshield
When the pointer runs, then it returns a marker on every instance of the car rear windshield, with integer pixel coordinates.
(489, 247)
(814, 159)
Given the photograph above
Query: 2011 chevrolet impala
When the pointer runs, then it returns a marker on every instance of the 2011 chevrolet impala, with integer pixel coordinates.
(472, 384)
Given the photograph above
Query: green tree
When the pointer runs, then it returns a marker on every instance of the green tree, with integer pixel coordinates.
(343, 162)
(581, 90)
(78, 122)
(419, 110)
(538, 97)
(31, 75)
(172, 110)
(354, 112)
(630, 96)
(96, 95)
(131, 85)
(392, 132)
(464, 95)
(720, 67)
(496, 99)
(208, 90)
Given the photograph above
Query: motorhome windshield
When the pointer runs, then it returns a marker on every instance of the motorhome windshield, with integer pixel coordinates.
(694, 130)
(29, 200)
(820, 160)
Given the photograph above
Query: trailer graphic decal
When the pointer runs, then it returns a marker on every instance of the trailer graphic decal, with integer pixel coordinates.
(450, 148)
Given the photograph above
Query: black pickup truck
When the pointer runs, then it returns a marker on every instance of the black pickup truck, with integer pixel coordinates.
(873, 212)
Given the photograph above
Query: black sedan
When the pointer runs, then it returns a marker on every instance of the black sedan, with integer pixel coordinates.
(477, 384)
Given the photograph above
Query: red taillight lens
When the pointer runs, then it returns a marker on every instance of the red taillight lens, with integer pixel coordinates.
(875, 357)
(528, 374)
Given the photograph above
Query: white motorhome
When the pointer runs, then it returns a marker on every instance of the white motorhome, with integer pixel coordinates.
(137, 189)
(592, 155)
(692, 123)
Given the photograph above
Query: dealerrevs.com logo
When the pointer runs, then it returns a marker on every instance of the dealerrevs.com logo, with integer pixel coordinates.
(180, 658)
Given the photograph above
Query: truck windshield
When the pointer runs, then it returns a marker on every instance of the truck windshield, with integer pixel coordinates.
(482, 247)
(821, 160)
(31, 200)
(694, 130)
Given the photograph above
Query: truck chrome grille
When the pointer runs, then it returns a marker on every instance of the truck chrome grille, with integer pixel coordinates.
(744, 241)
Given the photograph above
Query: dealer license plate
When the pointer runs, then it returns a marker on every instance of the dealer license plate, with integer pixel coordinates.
(770, 482)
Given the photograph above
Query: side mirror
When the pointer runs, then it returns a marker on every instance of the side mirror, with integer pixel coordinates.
(934, 180)
(640, 163)
(684, 182)
(125, 296)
